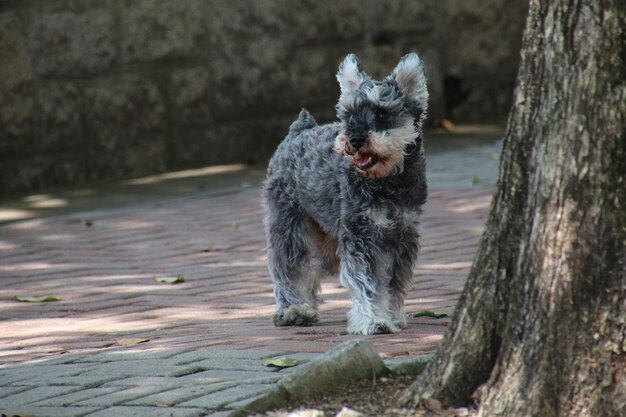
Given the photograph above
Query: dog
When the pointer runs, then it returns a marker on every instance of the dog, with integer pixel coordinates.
(344, 198)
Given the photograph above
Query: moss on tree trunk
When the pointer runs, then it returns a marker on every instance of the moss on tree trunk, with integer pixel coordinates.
(540, 327)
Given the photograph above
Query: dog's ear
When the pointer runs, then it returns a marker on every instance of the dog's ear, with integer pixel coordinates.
(350, 75)
(409, 74)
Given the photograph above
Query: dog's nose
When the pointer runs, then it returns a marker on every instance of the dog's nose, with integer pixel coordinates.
(357, 142)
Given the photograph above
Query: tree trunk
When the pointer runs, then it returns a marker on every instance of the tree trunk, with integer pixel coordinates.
(540, 326)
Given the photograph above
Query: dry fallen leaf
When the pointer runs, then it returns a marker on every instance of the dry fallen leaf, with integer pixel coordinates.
(42, 299)
(434, 405)
(170, 280)
(427, 313)
(282, 362)
(446, 124)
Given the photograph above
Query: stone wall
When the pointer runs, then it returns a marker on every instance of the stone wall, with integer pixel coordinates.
(95, 89)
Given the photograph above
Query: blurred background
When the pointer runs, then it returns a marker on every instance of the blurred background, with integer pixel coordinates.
(109, 89)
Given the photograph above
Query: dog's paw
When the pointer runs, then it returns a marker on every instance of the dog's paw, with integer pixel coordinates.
(376, 327)
(296, 315)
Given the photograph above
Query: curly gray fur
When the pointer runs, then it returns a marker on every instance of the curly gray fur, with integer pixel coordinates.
(345, 198)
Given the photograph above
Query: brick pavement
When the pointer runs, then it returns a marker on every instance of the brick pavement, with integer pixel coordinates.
(73, 357)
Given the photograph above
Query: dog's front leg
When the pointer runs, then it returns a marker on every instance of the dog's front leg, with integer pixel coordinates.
(367, 275)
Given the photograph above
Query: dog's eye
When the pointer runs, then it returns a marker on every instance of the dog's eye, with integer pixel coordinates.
(380, 114)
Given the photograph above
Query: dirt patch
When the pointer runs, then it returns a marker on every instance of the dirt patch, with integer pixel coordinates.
(371, 397)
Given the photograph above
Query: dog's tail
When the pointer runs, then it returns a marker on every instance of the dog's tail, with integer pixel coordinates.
(303, 122)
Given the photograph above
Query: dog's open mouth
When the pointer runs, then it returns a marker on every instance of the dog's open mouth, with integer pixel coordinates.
(365, 161)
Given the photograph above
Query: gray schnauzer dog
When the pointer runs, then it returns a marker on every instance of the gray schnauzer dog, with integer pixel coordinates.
(344, 198)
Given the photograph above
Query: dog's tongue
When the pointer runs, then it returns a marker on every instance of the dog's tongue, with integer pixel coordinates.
(361, 160)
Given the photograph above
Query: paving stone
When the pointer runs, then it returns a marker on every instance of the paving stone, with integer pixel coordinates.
(122, 396)
(85, 381)
(159, 354)
(125, 369)
(60, 360)
(75, 397)
(255, 365)
(193, 356)
(248, 364)
(148, 411)
(217, 375)
(171, 382)
(179, 395)
(13, 377)
(35, 395)
(34, 374)
(29, 410)
(221, 399)
(7, 391)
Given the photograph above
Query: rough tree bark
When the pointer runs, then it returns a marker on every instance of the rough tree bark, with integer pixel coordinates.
(540, 326)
